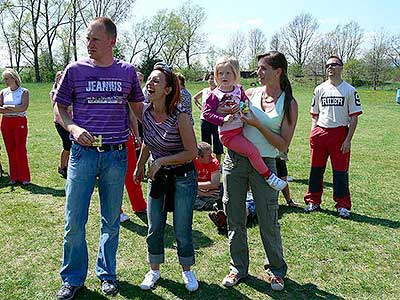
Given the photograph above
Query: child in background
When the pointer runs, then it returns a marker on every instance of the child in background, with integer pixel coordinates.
(62, 132)
(282, 172)
(227, 95)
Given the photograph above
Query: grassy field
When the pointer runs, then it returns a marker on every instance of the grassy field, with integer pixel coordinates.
(328, 258)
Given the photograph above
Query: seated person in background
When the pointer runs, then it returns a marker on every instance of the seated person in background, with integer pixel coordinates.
(208, 172)
(218, 217)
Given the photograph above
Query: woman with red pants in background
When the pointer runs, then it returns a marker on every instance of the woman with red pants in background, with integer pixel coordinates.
(14, 101)
(134, 190)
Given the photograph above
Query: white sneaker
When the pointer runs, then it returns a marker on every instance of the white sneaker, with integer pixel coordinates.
(190, 281)
(343, 212)
(289, 178)
(123, 217)
(276, 183)
(150, 280)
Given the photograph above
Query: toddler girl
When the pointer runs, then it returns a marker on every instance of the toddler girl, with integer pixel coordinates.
(227, 94)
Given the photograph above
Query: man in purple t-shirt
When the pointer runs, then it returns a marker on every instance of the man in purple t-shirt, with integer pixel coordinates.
(100, 89)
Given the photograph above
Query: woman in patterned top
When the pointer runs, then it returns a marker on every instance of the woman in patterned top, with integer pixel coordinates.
(170, 139)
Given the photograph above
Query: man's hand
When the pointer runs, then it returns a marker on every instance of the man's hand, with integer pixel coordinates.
(82, 136)
(345, 146)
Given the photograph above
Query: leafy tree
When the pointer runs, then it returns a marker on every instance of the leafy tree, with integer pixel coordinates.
(146, 66)
(192, 41)
(352, 72)
(194, 73)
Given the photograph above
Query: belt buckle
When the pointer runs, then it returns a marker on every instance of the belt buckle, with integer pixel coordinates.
(98, 148)
(120, 147)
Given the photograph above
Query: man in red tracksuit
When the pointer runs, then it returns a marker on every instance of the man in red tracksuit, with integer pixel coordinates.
(334, 110)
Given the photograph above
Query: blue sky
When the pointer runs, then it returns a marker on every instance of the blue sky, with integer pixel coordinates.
(224, 17)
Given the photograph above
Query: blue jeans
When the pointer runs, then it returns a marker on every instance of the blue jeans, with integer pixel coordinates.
(185, 195)
(84, 167)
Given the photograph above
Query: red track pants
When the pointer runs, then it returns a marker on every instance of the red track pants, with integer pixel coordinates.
(326, 142)
(15, 133)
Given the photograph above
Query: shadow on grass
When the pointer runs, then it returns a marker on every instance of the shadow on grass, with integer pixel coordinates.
(43, 190)
(33, 188)
(130, 291)
(199, 238)
(284, 209)
(205, 291)
(293, 290)
(140, 229)
(85, 294)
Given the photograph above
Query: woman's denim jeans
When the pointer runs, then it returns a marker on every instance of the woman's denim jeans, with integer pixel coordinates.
(185, 195)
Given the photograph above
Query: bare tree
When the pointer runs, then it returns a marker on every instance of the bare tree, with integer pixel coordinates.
(13, 21)
(134, 40)
(346, 40)
(117, 10)
(376, 59)
(324, 47)
(54, 15)
(211, 57)
(276, 42)
(256, 44)
(192, 40)
(298, 38)
(236, 45)
(65, 38)
(394, 50)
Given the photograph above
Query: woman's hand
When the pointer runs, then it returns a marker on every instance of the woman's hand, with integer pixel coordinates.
(250, 119)
(228, 118)
(138, 174)
(137, 142)
(154, 167)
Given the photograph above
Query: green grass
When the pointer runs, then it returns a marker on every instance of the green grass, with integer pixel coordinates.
(328, 258)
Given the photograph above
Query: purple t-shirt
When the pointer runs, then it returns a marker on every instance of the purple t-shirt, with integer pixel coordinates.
(100, 96)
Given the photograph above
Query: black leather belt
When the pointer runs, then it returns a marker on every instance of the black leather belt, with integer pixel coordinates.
(108, 147)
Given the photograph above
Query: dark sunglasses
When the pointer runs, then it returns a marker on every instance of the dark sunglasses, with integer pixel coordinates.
(163, 66)
(332, 65)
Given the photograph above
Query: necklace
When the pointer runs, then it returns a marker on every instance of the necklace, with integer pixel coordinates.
(264, 99)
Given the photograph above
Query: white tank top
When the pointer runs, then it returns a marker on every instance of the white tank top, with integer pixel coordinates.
(13, 98)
